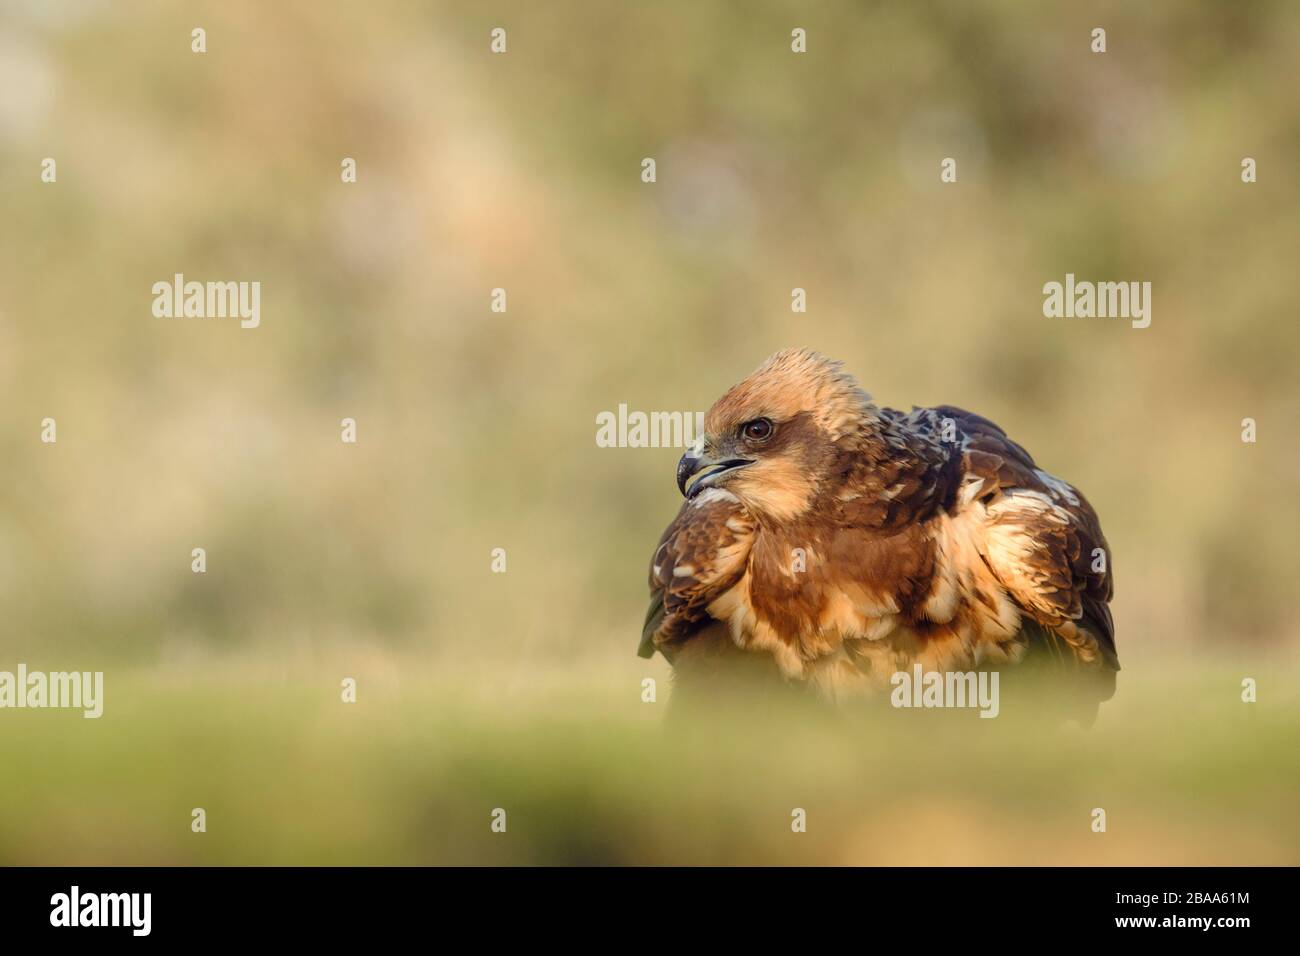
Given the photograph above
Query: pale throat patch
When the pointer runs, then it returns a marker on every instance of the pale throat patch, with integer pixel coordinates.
(777, 488)
(711, 495)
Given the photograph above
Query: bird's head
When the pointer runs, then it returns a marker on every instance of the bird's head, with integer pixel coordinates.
(772, 439)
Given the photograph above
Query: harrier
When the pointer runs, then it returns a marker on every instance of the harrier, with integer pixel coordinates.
(830, 543)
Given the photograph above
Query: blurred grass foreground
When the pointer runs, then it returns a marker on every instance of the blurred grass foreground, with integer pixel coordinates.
(412, 772)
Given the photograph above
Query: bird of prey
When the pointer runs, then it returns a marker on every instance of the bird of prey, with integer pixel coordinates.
(831, 543)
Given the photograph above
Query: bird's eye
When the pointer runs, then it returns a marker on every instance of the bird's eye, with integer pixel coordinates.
(760, 429)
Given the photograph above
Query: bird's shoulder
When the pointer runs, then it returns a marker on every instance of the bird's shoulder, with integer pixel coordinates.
(898, 473)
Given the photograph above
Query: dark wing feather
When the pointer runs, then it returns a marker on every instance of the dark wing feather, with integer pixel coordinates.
(700, 557)
(1043, 541)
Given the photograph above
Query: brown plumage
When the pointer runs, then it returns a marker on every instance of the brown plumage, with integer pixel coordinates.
(840, 542)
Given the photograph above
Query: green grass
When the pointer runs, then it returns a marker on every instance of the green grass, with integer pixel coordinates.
(588, 774)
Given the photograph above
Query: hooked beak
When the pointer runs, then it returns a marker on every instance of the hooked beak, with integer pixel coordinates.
(693, 463)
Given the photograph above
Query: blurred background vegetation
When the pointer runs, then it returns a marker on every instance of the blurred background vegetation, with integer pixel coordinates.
(476, 429)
